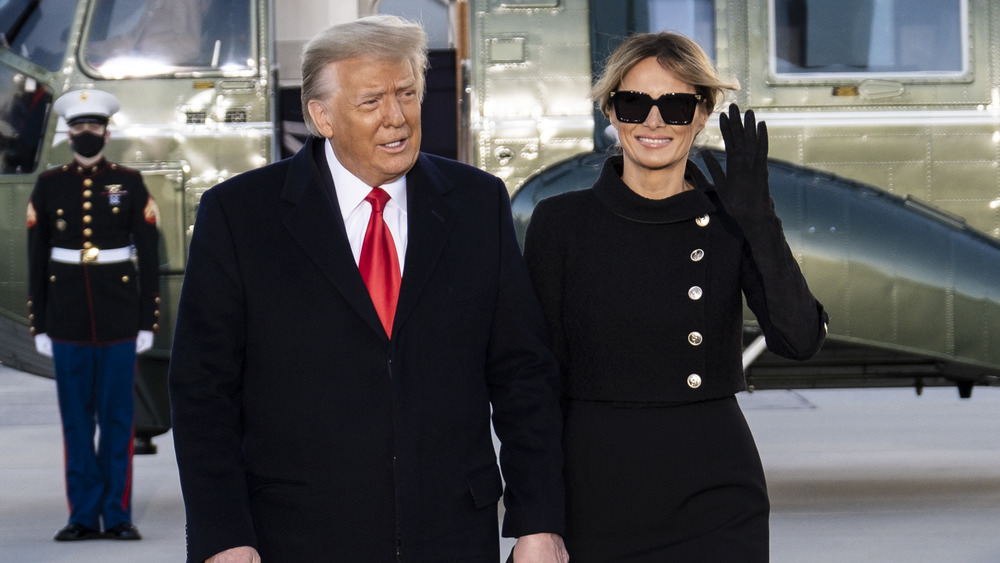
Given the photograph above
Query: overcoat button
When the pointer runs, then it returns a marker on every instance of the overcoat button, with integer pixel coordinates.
(702, 221)
(694, 381)
(697, 255)
(694, 338)
(695, 293)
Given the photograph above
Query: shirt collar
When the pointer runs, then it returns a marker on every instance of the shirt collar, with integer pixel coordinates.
(351, 191)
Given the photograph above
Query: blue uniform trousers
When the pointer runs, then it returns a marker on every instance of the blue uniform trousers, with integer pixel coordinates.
(94, 385)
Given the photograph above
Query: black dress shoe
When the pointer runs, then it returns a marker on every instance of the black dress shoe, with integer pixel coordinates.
(123, 531)
(77, 532)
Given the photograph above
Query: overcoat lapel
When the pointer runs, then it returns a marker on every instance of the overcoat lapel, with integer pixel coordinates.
(428, 226)
(313, 218)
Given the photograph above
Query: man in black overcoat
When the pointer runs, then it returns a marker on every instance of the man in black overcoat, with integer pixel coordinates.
(309, 423)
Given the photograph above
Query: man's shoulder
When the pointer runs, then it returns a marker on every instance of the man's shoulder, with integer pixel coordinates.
(455, 169)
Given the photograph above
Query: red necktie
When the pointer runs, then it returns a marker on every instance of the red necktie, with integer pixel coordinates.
(378, 264)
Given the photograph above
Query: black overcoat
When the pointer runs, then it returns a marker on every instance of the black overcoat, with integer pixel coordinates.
(301, 429)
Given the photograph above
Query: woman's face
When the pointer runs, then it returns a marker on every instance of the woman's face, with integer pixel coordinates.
(654, 144)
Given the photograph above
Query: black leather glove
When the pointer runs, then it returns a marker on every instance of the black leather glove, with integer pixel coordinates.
(743, 186)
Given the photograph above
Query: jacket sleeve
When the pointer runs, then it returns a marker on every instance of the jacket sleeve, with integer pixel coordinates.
(38, 260)
(145, 237)
(792, 320)
(205, 381)
(544, 254)
(523, 379)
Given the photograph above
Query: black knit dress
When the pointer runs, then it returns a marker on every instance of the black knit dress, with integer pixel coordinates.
(644, 304)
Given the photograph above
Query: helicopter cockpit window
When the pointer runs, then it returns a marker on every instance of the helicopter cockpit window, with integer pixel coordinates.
(24, 106)
(694, 19)
(869, 38)
(37, 31)
(148, 37)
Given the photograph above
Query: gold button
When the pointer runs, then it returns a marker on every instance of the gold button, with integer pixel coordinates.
(156, 313)
(31, 316)
(87, 193)
(87, 183)
(87, 232)
(59, 212)
(156, 326)
(694, 338)
(694, 381)
(32, 329)
(702, 221)
(695, 293)
(157, 300)
(87, 219)
(114, 210)
(88, 244)
(697, 255)
(52, 278)
(87, 205)
(125, 279)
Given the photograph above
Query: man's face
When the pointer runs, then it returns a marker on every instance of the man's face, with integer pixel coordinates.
(371, 116)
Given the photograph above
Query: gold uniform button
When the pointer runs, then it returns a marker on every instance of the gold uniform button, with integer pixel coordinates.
(87, 232)
(156, 313)
(114, 210)
(697, 255)
(695, 293)
(87, 205)
(32, 331)
(87, 219)
(694, 381)
(87, 183)
(702, 221)
(156, 326)
(87, 193)
(59, 212)
(88, 244)
(52, 278)
(694, 338)
(157, 300)
(125, 279)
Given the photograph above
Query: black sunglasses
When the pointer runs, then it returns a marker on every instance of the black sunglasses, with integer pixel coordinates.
(675, 109)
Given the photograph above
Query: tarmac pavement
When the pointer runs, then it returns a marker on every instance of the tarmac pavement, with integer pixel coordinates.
(854, 475)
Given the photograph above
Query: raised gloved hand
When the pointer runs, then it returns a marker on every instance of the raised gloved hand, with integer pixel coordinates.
(43, 344)
(743, 186)
(143, 341)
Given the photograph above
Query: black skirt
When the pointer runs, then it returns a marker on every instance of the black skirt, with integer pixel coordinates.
(666, 483)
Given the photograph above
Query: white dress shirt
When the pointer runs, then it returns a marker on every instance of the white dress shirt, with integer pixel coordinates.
(351, 194)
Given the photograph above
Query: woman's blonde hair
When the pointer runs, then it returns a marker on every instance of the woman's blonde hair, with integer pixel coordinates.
(384, 37)
(676, 53)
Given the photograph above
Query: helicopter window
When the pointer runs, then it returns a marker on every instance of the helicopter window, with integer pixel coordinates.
(37, 30)
(692, 18)
(24, 105)
(869, 37)
(145, 37)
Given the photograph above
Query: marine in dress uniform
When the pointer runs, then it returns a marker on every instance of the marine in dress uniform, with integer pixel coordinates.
(93, 305)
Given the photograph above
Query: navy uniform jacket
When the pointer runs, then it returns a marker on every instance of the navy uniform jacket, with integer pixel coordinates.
(104, 206)
(301, 429)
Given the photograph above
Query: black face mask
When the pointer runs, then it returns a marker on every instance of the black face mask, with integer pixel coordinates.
(87, 144)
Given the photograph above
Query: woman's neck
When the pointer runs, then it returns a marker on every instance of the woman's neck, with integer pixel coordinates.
(655, 184)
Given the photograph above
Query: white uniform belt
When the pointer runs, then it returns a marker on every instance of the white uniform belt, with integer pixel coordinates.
(91, 255)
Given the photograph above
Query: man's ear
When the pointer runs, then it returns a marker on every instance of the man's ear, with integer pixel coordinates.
(320, 115)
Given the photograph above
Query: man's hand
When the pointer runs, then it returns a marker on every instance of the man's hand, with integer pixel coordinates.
(243, 554)
(43, 344)
(143, 341)
(540, 548)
